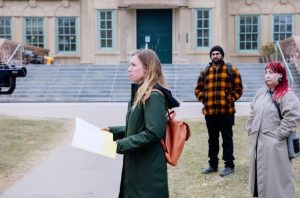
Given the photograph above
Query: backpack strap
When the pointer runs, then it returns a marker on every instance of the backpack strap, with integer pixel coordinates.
(277, 106)
(204, 76)
(157, 90)
(205, 71)
(229, 71)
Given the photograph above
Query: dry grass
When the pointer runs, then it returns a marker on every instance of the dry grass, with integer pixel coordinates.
(185, 180)
(25, 142)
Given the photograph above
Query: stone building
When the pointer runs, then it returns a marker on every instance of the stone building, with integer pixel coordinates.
(180, 31)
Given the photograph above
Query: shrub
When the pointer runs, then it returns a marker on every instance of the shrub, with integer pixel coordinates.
(267, 49)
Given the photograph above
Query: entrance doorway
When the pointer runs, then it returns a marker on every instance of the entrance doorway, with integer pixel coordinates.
(154, 30)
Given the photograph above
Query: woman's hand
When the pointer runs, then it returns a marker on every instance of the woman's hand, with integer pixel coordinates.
(105, 129)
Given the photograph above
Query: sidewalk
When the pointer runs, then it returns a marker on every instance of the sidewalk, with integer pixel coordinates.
(72, 173)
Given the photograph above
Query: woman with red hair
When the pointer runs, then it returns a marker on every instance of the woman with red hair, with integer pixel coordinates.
(271, 173)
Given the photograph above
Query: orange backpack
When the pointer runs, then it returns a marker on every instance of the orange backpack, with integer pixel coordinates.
(177, 132)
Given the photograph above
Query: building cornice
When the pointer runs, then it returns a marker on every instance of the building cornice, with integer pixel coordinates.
(152, 3)
(32, 3)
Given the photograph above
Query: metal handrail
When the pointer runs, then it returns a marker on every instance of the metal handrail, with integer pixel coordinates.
(12, 55)
(285, 63)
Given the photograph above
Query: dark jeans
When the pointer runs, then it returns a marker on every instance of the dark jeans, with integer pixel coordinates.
(215, 124)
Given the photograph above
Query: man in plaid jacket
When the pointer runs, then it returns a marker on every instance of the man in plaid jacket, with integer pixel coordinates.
(218, 89)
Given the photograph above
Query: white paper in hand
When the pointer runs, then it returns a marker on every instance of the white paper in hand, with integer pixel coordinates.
(90, 138)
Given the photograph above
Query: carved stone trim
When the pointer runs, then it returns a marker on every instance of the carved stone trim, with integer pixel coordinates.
(283, 1)
(152, 3)
(66, 3)
(249, 2)
(32, 3)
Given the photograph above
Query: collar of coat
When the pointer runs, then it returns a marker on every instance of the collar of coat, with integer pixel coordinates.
(221, 64)
(171, 101)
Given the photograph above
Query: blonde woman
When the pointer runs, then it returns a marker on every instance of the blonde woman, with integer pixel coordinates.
(144, 172)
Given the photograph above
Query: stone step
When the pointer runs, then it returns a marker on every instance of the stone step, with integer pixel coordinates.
(105, 83)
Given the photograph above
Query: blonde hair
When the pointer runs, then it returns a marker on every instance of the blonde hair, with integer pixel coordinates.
(153, 75)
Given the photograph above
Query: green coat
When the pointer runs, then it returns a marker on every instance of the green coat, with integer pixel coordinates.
(144, 171)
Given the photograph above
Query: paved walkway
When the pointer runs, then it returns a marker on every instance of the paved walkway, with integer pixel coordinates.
(72, 173)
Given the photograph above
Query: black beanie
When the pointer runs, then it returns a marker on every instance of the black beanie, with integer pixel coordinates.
(217, 48)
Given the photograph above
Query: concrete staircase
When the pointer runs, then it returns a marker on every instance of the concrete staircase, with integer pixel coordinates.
(296, 76)
(109, 83)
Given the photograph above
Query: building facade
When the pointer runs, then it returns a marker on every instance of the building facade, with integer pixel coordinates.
(180, 31)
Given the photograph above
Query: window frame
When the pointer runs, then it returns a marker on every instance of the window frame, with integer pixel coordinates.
(65, 35)
(99, 11)
(43, 29)
(258, 33)
(5, 35)
(273, 25)
(196, 28)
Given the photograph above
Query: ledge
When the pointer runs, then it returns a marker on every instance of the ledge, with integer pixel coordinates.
(65, 55)
(107, 53)
(245, 54)
(152, 3)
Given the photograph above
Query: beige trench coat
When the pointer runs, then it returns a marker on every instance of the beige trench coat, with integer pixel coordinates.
(267, 136)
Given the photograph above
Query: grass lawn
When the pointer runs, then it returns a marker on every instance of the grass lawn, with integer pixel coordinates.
(185, 180)
(24, 142)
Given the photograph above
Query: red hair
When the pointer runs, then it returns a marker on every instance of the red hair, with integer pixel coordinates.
(283, 85)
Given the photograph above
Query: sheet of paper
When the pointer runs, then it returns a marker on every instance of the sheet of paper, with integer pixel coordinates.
(90, 138)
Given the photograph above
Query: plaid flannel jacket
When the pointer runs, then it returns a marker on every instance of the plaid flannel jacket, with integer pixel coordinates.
(220, 92)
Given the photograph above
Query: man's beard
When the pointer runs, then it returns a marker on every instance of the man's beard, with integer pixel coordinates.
(217, 61)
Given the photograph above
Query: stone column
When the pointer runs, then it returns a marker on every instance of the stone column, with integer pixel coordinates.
(122, 40)
(297, 21)
(86, 31)
(184, 36)
(17, 30)
(222, 25)
(50, 42)
(265, 34)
